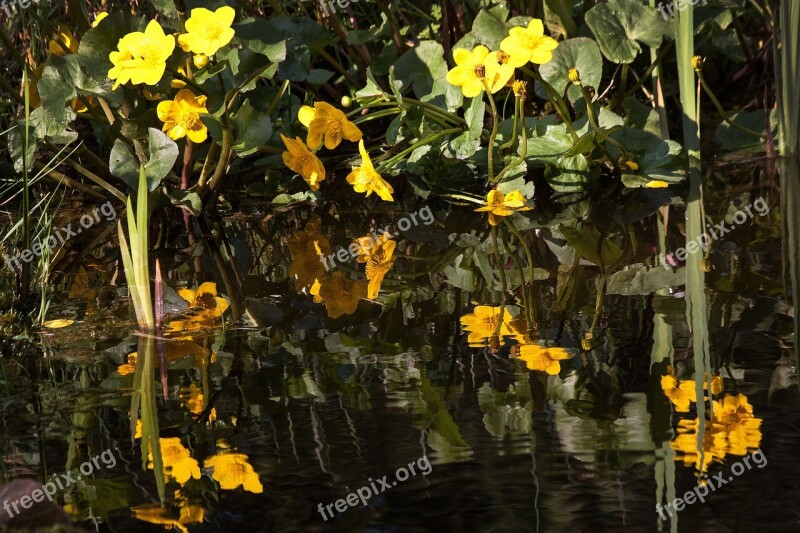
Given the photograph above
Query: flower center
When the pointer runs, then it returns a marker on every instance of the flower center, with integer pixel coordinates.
(480, 71)
(188, 119)
(334, 127)
(502, 57)
(151, 54)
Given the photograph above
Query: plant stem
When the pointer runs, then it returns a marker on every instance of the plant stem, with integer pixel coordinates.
(430, 138)
(524, 146)
(502, 269)
(493, 135)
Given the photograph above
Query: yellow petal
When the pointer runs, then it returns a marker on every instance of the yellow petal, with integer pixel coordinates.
(306, 115)
(58, 323)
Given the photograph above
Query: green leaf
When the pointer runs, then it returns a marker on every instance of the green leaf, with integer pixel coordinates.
(259, 36)
(640, 116)
(162, 151)
(620, 25)
(657, 159)
(490, 26)
(474, 117)
(641, 281)
(558, 17)
(586, 241)
(420, 66)
(732, 139)
(581, 53)
(253, 129)
(551, 144)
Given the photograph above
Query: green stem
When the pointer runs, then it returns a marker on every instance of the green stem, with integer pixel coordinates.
(721, 111)
(529, 257)
(223, 162)
(524, 147)
(556, 99)
(376, 115)
(430, 138)
(513, 136)
(495, 121)
(502, 280)
(594, 122)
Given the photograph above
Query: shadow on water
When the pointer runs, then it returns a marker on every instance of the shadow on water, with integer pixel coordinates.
(270, 424)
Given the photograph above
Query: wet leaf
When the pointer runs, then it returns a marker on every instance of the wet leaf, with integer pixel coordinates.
(620, 25)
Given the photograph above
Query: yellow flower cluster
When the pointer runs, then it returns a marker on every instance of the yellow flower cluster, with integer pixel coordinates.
(479, 69)
(141, 57)
(328, 126)
(338, 292)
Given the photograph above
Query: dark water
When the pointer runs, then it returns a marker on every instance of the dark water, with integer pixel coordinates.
(322, 407)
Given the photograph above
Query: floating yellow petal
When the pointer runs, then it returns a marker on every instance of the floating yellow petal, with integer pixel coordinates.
(58, 323)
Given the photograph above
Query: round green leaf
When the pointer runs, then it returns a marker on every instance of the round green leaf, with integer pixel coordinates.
(620, 25)
(581, 53)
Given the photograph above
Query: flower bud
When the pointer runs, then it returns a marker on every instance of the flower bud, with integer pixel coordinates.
(200, 61)
(697, 63)
(574, 76)
(347, 101)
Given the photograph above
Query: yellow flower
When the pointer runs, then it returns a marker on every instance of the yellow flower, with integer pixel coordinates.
(306, 248)
(176, 460)
(206, 309)
(717, 384)
(193, 400)
(128, 367)
(79, 107)
(530, 43)
(543, 358)
(499, 205)
(520, 89)
(481, 324)
(181, 117)
(67, 38)
(141, 57)
(232, 470)
(314, 291)
(100, 16)
(500, 68)
(379, 261)
(341, 294)
(366, 179)
(327, 125)
(732, 430)
(153, 513)
(472, 68)
(733, 416)
(656, 184)
(300, 159)
(680, 393)
(574, 76)
(207, 31)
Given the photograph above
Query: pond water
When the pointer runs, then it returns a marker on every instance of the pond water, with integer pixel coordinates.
(266, 424)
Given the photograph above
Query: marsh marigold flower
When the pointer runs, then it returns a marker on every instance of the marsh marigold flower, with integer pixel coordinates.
(301, 160)
(530, 43)
(366, 179)
(680, 393)
(543, 358)
(67, 38)
(482, 323)
(472, 70)
(500, 205)
(208, 31)
(341, 294)
(501, 68)
(206, 310)
(379, 261)
(181, 117)
(177, 461)
(141, 57)
(327, 125)
(232, 470)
